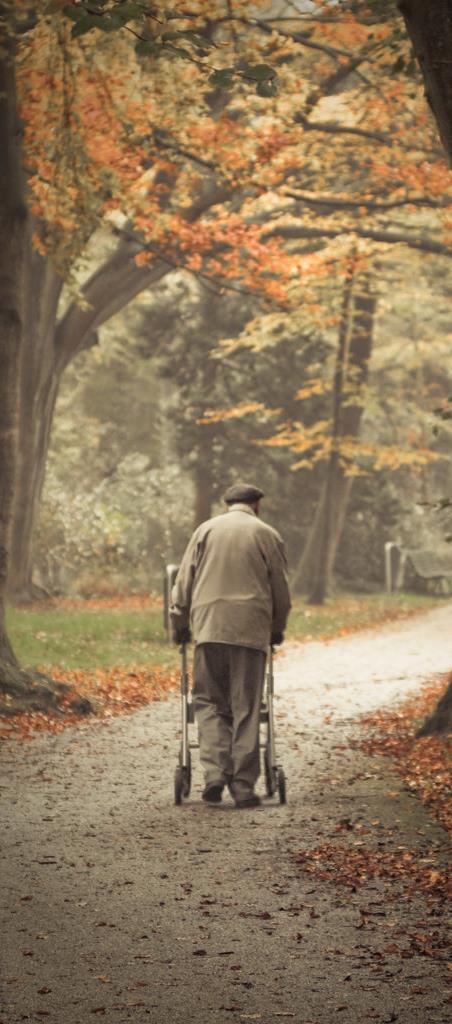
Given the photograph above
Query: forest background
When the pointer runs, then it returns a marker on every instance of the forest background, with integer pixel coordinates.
(237, 264)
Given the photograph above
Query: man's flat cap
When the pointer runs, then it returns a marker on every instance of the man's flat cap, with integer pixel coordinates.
(245, 493)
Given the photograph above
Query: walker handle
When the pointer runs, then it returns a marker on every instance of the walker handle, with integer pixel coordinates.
(184, 673)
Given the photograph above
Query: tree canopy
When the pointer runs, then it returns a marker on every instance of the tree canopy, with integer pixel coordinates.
(262, 151)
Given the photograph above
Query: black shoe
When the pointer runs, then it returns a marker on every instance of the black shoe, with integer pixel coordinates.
(253, 800)
(212, 794)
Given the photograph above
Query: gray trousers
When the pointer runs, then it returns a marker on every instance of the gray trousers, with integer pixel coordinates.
(227, 695)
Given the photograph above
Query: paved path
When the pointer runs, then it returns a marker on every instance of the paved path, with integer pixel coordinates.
(119, 905)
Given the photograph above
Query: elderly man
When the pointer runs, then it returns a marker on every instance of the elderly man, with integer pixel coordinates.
(232, 587)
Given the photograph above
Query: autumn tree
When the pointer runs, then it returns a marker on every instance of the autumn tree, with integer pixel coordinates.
(188, 338)
(115, 456)
(80, 168)
(106, 158)
(352, 362)
(430, 30)
(14, 228)
(35, 347)
(108, 517)
(264, 160)
(230, 197)
(329, 444)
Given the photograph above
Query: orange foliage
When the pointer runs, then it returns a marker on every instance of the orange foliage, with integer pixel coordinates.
(111, 691)
(238, 412)
(354, 867)
(111, 139)
(81, 156)
(424, 763)
(91, 116)
(355, 456)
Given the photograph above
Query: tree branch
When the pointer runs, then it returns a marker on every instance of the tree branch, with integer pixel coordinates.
(303, 38)
(329, 128)
(119, 280)
(108, 290)
(368, 204)
(386, 237)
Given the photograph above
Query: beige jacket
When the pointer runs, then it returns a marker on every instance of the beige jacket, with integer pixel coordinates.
(232, 582)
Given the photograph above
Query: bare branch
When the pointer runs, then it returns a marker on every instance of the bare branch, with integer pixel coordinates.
(330, 128)
(369, 204)
(303, 38)
(420, 243)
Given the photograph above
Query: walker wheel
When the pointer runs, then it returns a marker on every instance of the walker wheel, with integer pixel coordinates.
(186, 773)
(282, 786)
(270, 782)
(186, 780)
(178, 786)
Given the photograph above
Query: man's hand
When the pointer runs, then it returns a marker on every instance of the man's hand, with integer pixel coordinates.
(182, 635)
(277, 638)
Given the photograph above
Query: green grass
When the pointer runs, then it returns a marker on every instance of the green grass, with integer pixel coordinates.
(86, 638)
(349, 612)
(90, 639)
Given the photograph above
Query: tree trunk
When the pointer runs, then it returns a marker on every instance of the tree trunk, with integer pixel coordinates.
(355, 346)
(119, 279)
(203, 493)
(47, 349)
(429, 26)
(38, 391)
(321, 540)
(441, 718)
(206, 432)
(37, 424)
(313, 574)
(107, 291)
(18, 689)
(14, 233)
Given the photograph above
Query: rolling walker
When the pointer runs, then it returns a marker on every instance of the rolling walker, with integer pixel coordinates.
(275, 779)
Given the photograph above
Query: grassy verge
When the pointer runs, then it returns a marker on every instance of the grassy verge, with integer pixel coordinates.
(79, 637)
(116, 653)
(350, 613)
